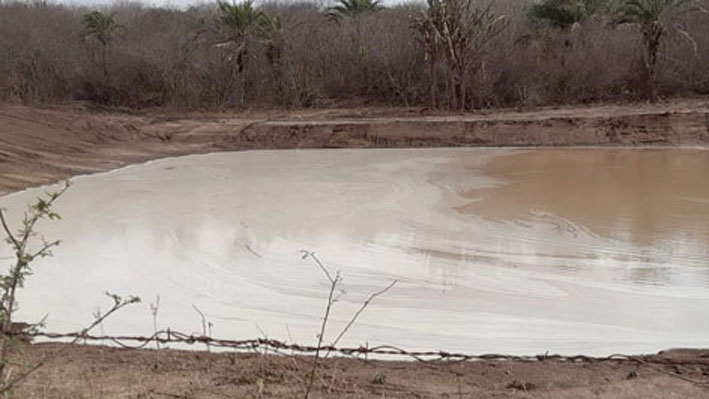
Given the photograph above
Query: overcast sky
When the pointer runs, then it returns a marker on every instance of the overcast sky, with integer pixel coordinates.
(170, 3)
(173, 3)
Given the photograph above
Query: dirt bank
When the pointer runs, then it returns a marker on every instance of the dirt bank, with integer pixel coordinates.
(100, 372)
(39, 146)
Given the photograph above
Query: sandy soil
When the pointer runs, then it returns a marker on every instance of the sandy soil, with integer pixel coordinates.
(39, 146)
(101, 372)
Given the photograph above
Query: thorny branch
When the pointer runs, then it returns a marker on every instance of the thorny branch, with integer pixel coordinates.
(331, 301)
(14, 280)
(118, 304)
(361, 309)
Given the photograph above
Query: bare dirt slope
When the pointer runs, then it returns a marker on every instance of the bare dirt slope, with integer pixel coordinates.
(45, 145)
(100, 372)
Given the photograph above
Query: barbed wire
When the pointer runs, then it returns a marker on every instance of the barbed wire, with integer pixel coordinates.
(275, 346)
(170, 336)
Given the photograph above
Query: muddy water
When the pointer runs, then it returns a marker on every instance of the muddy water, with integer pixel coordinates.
(648, 197)
(656, 199)
(571, 251)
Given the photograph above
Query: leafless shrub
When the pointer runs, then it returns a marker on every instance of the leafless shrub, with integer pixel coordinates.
(335, 281)
(169, 57)
(23, 243)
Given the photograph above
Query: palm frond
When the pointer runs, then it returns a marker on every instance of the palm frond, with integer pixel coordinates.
(100, 26)
(352, 8)
(240, 19)
(564, 14)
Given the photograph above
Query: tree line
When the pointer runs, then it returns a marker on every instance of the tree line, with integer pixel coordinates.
(450, 54)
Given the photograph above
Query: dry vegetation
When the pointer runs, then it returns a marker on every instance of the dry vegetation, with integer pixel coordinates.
(160, 57)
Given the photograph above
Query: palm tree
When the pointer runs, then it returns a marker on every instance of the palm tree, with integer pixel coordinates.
(426, 26)
(355, 10)
(654, 18)
(102, 28)
(461, 31)
(565, 14)
(242, 23)
(270, 33)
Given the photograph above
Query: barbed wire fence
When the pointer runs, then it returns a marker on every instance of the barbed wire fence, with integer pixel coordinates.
(170, 336)
(175, 337)
(274, 346)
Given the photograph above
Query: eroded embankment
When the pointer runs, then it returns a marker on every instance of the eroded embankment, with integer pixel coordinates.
(648, 129)
(39, 146)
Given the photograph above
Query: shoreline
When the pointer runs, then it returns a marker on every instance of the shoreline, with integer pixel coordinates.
(46, 145)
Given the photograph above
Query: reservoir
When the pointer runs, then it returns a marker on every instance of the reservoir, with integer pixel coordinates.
(591, 251)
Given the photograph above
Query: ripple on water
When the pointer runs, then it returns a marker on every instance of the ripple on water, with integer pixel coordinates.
(592, 251)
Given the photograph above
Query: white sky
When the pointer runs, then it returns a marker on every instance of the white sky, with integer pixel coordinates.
(173, 3)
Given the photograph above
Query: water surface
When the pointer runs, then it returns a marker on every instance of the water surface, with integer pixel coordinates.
(520, 251)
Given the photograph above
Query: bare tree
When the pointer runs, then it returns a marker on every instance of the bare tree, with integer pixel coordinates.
(192, 58)
(331, 300)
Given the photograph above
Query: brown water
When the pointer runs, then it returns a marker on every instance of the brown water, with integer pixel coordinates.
(648, 197)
